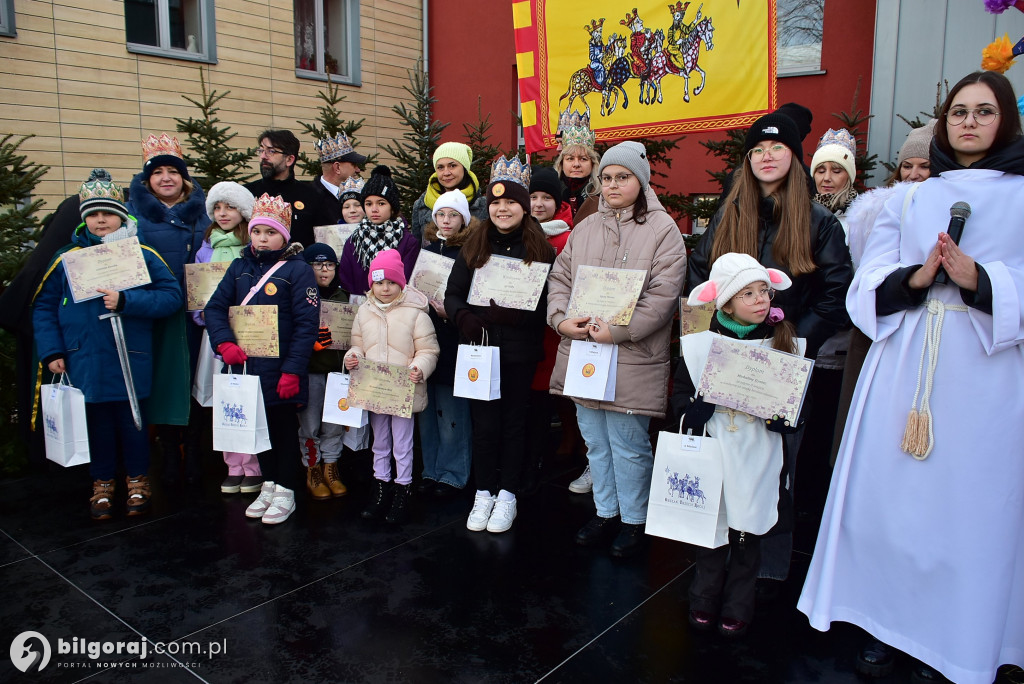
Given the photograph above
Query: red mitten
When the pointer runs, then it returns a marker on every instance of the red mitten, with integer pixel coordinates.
(288, 385)
(323, 340)
(231, 353)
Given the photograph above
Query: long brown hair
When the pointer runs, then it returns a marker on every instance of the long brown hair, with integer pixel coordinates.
(477, 249)
(784, 338)
(737, 231)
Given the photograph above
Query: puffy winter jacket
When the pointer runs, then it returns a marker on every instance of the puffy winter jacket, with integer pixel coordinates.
(176, 233)
(816, 303)
(355, 278)
(402, 335)
(293, 289)
(611, 239)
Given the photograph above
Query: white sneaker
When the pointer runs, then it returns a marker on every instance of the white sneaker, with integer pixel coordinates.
(502, 516)
(582, 484)
(258, 507)
(282, 506)
(483, 504)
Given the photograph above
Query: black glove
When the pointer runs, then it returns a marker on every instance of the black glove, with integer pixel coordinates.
(781, 425)
(698, 413)
(500, 315)
(471, 326)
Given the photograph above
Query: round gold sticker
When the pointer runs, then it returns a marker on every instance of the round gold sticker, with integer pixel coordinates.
(498, 190)
(299, 205)
(474, 375)
(343, 404)
(589, 370)
(270, 289)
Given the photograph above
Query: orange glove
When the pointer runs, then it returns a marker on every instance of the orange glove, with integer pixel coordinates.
(323, 340)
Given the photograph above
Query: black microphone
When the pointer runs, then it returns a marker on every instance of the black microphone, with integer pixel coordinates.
(958, 214)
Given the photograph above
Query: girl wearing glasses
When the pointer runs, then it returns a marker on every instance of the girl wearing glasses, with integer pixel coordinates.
(631, 230)
(921, 543)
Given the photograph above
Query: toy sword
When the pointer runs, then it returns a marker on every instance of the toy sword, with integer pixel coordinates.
(126, 368)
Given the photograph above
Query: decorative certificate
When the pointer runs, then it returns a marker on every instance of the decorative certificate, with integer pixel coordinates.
(509, 282)
(201, 280)
(757, 380)
(255, 329)
(606, 293)
(339, 317)
(694, 319)
(382, 388)
(336, 236)
(112, 265)
(430, 275)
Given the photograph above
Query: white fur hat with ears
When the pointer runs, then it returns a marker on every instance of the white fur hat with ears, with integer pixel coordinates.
(731, 273)
(232, 194)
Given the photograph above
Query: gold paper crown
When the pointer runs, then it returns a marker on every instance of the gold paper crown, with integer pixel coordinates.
(330, 149)
(594, 25)
(156, 147)
(273, 208)
(678, 7)
(100, 190)
(353, 184)
(630, 18)
(574, 129)
(510, 170)
(841, 137)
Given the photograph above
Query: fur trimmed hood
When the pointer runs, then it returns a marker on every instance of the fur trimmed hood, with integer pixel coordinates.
(145, 204)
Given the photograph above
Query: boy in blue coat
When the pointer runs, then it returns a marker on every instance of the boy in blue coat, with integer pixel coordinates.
(290, 286)
(71, 338)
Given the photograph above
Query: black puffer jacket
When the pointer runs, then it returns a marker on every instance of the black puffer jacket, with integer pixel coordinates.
(816, 303)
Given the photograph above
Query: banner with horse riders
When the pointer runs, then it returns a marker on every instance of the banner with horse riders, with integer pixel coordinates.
(644, 70)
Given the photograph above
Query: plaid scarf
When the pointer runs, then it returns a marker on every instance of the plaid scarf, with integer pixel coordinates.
(370, 239)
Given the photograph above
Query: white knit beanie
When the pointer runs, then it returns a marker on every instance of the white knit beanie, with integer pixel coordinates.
(453, 199)
(633, 156)
(232, 194)
(840, 147)
(731, 273)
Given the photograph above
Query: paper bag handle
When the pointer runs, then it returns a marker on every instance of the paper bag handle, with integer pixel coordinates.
(704, 428)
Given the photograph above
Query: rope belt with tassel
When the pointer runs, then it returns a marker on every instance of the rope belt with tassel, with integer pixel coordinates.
(919, 437)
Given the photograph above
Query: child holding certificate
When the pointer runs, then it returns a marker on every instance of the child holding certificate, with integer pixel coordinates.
(272, 272)
(320, 442)
(392, 326)
(752, 449)
(71, 338)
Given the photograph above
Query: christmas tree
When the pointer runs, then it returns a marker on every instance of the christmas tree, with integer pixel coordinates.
(213, 159)
(328, 124)
(19, 226)
(478, 138)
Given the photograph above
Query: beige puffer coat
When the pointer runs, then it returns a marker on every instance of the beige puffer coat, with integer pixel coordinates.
(611, 239)
(402, 334)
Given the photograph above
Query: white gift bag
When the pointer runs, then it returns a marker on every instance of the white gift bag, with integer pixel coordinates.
(66, 434)
(239, 416)
(686, 491)
(336, 407)
(590, 373)
(478, 372)
(357, 439)
(209, 366)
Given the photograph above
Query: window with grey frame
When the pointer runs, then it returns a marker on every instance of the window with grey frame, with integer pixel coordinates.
(327, 39)
(183, 29)
(7, 18)
(800, 29)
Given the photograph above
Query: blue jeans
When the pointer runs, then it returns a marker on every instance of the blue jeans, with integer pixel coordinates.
(446, 434)
(621, 461)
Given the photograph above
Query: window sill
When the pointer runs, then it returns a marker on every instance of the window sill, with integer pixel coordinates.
(170, 53)
(5, 33)
(801, 72)
(335, 78)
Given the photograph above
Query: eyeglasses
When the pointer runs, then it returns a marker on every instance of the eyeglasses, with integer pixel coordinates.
(325, 266)
(757, 154)
(983, 116)
(267, 151)
(616, 180)
(750, 297)
(447, 215)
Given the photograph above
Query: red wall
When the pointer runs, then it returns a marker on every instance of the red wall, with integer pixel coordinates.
(472, 53)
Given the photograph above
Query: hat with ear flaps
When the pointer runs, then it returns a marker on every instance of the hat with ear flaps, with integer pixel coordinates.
(731, 273)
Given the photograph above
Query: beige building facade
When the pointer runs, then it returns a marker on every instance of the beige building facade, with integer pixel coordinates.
(90, 79)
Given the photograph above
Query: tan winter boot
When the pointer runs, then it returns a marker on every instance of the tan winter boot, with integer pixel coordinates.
(315, 483)
(138, 495)
(101, 505)
(334, 482)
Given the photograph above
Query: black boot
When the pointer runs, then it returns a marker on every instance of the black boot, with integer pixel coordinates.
(375, 509)
(876, 659)
(630, 541)
(399, 512)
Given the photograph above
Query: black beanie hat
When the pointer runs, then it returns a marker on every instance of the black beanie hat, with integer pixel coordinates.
(545, 179)
(381, 185)
(775, 126)
(319, 251)
(801, 116)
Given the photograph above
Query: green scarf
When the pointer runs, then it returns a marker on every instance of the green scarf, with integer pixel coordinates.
(729, 323)
(226, 247)
(434, 190)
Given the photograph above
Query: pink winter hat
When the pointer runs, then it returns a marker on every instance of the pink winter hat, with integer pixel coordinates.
(387, 266)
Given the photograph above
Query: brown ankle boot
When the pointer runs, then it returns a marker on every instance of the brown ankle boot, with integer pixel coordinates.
(101, 505)
(315, 483)
(334, 482)
(138, 495)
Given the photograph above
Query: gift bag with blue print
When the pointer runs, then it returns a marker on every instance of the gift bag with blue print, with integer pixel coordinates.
(65, 432)
(239, 416)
